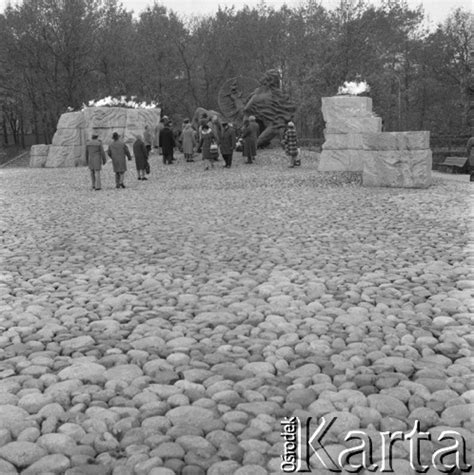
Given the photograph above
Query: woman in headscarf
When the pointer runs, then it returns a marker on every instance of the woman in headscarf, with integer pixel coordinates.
(141, 157)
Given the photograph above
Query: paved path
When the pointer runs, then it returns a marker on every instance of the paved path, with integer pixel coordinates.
(170, 326)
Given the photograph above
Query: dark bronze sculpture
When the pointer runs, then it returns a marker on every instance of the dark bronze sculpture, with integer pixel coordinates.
(242, 97)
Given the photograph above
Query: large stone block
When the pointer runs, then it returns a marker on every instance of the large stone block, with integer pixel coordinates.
(404, 169)
(343, 142)
(341, 161)
(68, 137)
(353, 125)
(396, 141)
(71, 120)
(105, 134)
(337, 107)
(38, 155)
(105, 117)
(64, 156)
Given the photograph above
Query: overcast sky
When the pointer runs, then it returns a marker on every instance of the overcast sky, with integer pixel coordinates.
(436, 10)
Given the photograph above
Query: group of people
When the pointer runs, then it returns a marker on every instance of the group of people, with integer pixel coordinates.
(211, 139)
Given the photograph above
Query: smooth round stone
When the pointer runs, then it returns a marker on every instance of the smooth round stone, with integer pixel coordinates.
(251, 470)
(163, 471)
(57, 443)
(225, 467)
(7, 468)
(30, 434)
(54, 463)
(13, 418)
(455, 415)
(22, 454)
(34, 402)
(388, 406)
(169, 450)
(260, 367)
(85, 371)
(126, 372)
(304, 397)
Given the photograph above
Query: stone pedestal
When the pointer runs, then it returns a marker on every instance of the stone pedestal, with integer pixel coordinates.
(38, 156)
(355, 142)
(347, 118)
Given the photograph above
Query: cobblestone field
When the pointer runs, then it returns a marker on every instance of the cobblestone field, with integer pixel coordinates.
(169, 327)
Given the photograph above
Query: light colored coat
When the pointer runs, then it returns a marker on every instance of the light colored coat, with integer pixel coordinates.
(188, 139)
(117, 152)
(95, 154)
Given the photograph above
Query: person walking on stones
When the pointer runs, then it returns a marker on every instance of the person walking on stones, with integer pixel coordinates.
(147, 138)
(141, 157)
(167, 144)
(188, 140)
(208, 146)
(247, 141)
(95, 158)
(470, 157)
(290, 142)
(255, 130)
(227, 143)
(117, 152)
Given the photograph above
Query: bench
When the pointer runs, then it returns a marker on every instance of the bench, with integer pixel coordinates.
(456, 164)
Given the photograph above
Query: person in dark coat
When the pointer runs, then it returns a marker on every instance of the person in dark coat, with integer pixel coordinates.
(470, 157)
(247, 140)
(95, 158)
(254, 131)
(147, 138)
(290, 142)
(141, 157)
(167, 144)
(117, 152)
(227, 143)
(208, 146)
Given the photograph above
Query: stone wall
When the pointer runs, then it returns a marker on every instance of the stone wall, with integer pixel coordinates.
(355, 142)
(75, 128)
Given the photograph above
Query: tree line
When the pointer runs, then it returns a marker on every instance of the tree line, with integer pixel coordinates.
(59, 54)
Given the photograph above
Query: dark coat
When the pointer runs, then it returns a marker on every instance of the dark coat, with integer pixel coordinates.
(141, 154)
(470, 152)
(250, 142)
(228, 141)
(117, 152)
(207, 137)
(167, 142)
(95, 154)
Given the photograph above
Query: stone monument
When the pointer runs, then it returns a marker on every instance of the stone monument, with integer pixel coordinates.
(355, 142)
(75, 128)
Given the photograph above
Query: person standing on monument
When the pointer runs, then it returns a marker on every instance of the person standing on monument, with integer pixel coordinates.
(227, 143)
(95, 158)
(117, 152)
(167, 144)
(141, 157)
(470, 157)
